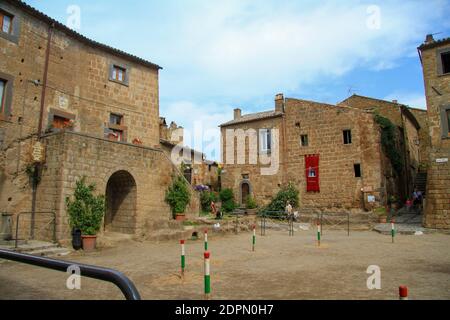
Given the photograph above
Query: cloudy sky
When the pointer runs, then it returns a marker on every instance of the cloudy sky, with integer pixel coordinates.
(218, 55)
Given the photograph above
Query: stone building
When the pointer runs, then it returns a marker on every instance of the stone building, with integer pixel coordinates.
(413, 139)
(196, 168)
(435, 58)
(331, 153)
(95, 111)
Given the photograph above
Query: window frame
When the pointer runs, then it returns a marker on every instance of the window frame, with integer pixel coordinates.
(440, 65)
(357, 165)
(3, 95)
(14, 28)
(60, 114)
(6, 103)
(304, 142)
(345, 137)
(126, 73)
(265, 140)
(4, 14)
(445, 126)
(113, 128)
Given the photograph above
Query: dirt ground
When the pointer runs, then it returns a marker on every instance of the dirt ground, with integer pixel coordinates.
(282, 267)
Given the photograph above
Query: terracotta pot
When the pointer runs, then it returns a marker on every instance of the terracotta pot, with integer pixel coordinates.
(89, 242)
(383, 219)
(180, 217)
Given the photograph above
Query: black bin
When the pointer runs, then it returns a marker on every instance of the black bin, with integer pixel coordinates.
(76, 239)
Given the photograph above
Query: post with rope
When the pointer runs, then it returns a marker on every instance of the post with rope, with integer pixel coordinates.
(319, 231)
(207, 276)
(393, 229)
(206, 239)
(254, 237)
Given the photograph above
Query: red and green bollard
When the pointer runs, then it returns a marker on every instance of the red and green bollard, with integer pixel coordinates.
(206, 239)
(183, 258)
(403, 293)
(254, 238)
(393, 229)
(319, 231)
(207, 277)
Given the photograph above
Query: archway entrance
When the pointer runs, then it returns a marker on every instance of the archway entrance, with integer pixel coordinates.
(245, 192)
(121, 203)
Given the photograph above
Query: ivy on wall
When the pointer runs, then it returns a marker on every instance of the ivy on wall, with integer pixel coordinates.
(388, 141)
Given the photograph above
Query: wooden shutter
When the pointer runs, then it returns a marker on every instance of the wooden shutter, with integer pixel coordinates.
(312, 173)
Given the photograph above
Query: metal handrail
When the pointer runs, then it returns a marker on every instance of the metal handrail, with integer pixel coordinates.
(110, 275)
(41, 212)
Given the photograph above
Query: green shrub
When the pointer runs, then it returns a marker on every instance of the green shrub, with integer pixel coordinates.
(178, 195)
(251, 203)
(388, 141)
(287, 193)
(206, 197)
(86, 210)
(227, 197)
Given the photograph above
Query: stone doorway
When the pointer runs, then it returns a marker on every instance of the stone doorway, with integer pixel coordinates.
(245, 192)
(121, 203)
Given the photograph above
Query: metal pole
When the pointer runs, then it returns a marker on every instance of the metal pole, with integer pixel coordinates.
(119, 279)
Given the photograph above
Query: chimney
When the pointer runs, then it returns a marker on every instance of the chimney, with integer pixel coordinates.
(429, 39)
(395, 101)
(279, 102)
(237, 113)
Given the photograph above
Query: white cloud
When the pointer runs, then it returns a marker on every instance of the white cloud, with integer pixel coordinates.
(412, 99)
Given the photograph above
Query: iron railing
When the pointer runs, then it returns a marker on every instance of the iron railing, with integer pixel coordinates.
(32, 225)
(125, 285)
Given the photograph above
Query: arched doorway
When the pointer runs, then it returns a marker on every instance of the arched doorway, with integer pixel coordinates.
(121, 203)
(245, 192)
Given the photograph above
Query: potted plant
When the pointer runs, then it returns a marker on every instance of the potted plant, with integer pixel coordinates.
(86, 212)
(178, 197)
(382, 214)
(251, 206)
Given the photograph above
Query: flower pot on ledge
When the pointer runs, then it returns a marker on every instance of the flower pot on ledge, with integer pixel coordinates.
(180, 217)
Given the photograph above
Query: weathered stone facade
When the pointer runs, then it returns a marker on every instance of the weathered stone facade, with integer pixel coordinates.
(83, 88)
(437, 91)
(340, 187)
(411, 138)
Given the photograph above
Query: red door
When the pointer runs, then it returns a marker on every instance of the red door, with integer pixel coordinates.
(312, 173)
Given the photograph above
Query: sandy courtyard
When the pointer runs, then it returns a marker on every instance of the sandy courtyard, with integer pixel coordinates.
(282, 267)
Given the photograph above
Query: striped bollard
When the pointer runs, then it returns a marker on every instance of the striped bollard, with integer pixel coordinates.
(403, 292)
(207, 277)
(183, 258)
(393, 230)
(319, 231)
(254, 238)
(206, 239)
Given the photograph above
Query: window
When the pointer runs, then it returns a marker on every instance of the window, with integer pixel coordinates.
(357, 168)
(115, 135)
(448, 122)
(61, 122)
(304, 140)
(445, 57)
(265, 140)
(115, 119)
(116, 130)
(2, 95)
(5, 22)
(347, 136)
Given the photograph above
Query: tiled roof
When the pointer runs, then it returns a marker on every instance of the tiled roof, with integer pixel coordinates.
(253, 117)
(61, 27)
(435, 43)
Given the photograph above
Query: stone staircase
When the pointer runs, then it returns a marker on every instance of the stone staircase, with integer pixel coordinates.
(38, 248)
(421, 182)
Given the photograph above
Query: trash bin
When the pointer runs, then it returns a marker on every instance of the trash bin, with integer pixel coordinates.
(76, 239)
(6, 227)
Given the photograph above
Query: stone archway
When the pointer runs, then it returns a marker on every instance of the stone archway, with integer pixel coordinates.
(121, 203)
(245, 190)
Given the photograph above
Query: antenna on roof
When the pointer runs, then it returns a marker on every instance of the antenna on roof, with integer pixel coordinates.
(351, 90)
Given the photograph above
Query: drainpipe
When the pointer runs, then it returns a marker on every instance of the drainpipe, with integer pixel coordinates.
(37, 166)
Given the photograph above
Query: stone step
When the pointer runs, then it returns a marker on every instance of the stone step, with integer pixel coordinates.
(50, 252)
(36, 245)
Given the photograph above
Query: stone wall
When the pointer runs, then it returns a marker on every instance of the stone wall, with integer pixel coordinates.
(437, 90)
(324, 125)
